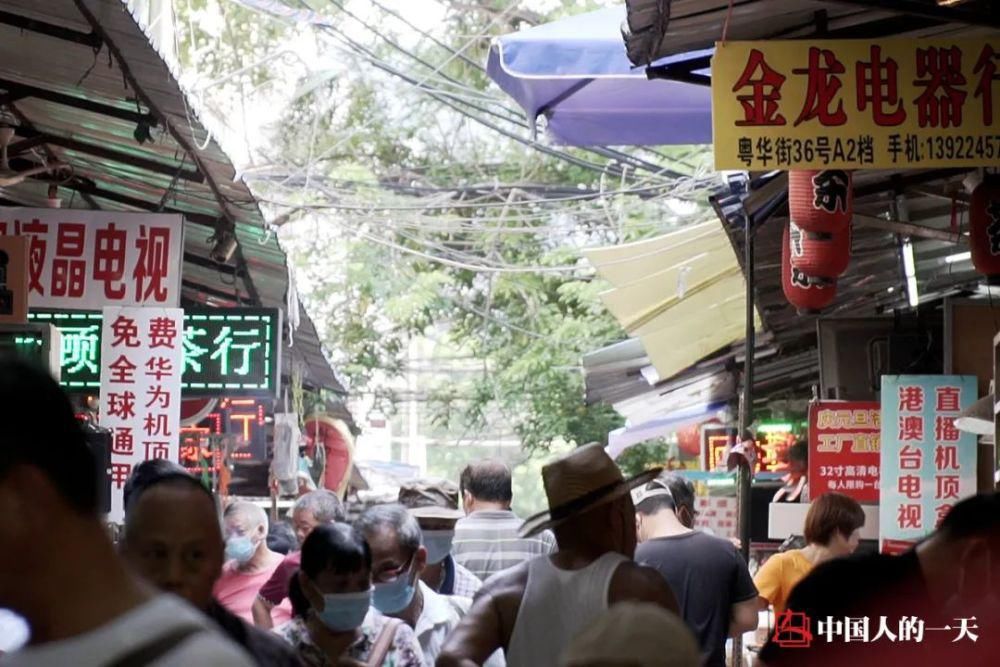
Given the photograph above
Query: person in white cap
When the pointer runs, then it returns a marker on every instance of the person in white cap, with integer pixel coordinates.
(633, 634)
(534, 610)
(717, 596)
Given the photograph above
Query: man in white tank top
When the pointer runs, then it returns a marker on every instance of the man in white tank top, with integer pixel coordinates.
(533, 611)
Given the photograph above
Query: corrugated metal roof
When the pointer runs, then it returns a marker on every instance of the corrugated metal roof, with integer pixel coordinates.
(82, 76)
(659, 28)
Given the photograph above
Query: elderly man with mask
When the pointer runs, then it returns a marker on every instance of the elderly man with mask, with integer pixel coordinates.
(172, 538)
(398, 560)
(434, 504)
(250, 562)
(317, 508)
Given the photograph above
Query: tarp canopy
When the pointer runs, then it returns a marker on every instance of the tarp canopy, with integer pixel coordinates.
(682, 294)
(575, 74)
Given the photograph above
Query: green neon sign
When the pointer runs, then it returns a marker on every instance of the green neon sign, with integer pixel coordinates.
(774, 427)
(231, 351)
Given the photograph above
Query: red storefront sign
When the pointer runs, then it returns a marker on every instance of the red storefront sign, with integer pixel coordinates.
(86, 260)
(844, 449)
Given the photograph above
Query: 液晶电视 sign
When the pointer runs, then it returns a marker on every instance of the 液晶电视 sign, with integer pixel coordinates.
(226, 351)
(856, 104)
(90, 259)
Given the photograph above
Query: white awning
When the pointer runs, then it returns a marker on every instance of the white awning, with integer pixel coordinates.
(682, 294)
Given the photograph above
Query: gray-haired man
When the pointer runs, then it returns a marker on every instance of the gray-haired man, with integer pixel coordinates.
(398, 559)
(249, 561)
(313, 509)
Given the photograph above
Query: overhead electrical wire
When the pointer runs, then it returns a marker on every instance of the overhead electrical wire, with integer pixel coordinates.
(609, 208)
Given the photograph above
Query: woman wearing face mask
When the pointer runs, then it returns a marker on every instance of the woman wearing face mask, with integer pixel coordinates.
(832, 530)
(334, 622)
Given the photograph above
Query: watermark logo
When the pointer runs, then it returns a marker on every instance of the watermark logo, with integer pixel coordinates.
(794, 629)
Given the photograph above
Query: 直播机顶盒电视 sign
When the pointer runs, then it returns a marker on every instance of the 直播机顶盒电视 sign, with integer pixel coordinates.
(927, 464)
(856, 104)
(226, 351)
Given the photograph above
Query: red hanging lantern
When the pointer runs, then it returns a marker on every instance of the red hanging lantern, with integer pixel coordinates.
(824, 256)
(821, 201)
(798, 287)
(689, 439)
(984, 228)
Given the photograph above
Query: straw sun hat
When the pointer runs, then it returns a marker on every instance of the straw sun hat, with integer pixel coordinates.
(578, 482)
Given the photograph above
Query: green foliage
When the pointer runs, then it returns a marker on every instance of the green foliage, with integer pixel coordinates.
(644, 456)
(401, 157)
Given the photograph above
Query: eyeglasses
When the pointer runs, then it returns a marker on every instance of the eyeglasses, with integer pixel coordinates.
(388, 576)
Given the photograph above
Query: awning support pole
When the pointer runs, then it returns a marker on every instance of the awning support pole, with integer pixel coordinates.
(746, 404)
(743, 472)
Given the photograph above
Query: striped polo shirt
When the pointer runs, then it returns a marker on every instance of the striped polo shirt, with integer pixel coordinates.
(486, 542)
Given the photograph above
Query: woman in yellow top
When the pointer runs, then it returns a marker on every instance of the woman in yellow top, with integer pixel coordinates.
(832, 529)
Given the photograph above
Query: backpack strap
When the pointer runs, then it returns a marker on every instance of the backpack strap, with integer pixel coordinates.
(383, 642)
(156, 648)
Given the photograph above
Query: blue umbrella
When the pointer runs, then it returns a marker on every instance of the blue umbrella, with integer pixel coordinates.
(575, 74)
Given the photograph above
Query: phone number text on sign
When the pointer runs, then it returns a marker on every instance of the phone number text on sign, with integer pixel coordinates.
(851, 104)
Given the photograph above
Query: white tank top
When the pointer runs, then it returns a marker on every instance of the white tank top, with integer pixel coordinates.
(556, 607)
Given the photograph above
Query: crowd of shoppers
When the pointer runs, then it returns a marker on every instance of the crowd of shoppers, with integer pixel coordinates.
(613, 573)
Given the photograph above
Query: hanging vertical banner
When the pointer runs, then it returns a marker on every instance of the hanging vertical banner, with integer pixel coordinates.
(141, 364)
(844, 449)
(928, 465)
(86, 260)
(856, 104)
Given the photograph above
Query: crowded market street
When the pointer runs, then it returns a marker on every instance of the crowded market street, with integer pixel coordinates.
(537, 333)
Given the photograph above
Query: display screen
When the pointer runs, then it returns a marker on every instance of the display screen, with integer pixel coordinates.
(227, 351)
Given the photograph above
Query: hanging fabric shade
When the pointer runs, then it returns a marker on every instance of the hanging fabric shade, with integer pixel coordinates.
(823, 256)
(821, 201)
(984, 228)
(797, 285)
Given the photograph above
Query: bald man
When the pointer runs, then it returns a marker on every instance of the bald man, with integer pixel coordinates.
(486, 540)
(249, 561)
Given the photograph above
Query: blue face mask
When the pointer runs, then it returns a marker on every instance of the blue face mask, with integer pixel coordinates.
(240, 548)
(343, 612)
(395, 596)
(438, 544)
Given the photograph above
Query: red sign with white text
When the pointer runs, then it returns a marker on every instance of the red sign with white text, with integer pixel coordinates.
(844, 449)
(86, 260)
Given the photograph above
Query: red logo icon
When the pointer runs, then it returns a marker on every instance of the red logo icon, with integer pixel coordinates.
(792, 629)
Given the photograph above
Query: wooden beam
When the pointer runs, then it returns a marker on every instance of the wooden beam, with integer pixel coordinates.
(147, 164)
(931, 10)
(21, 90)
(91, 39)
(906, 228)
